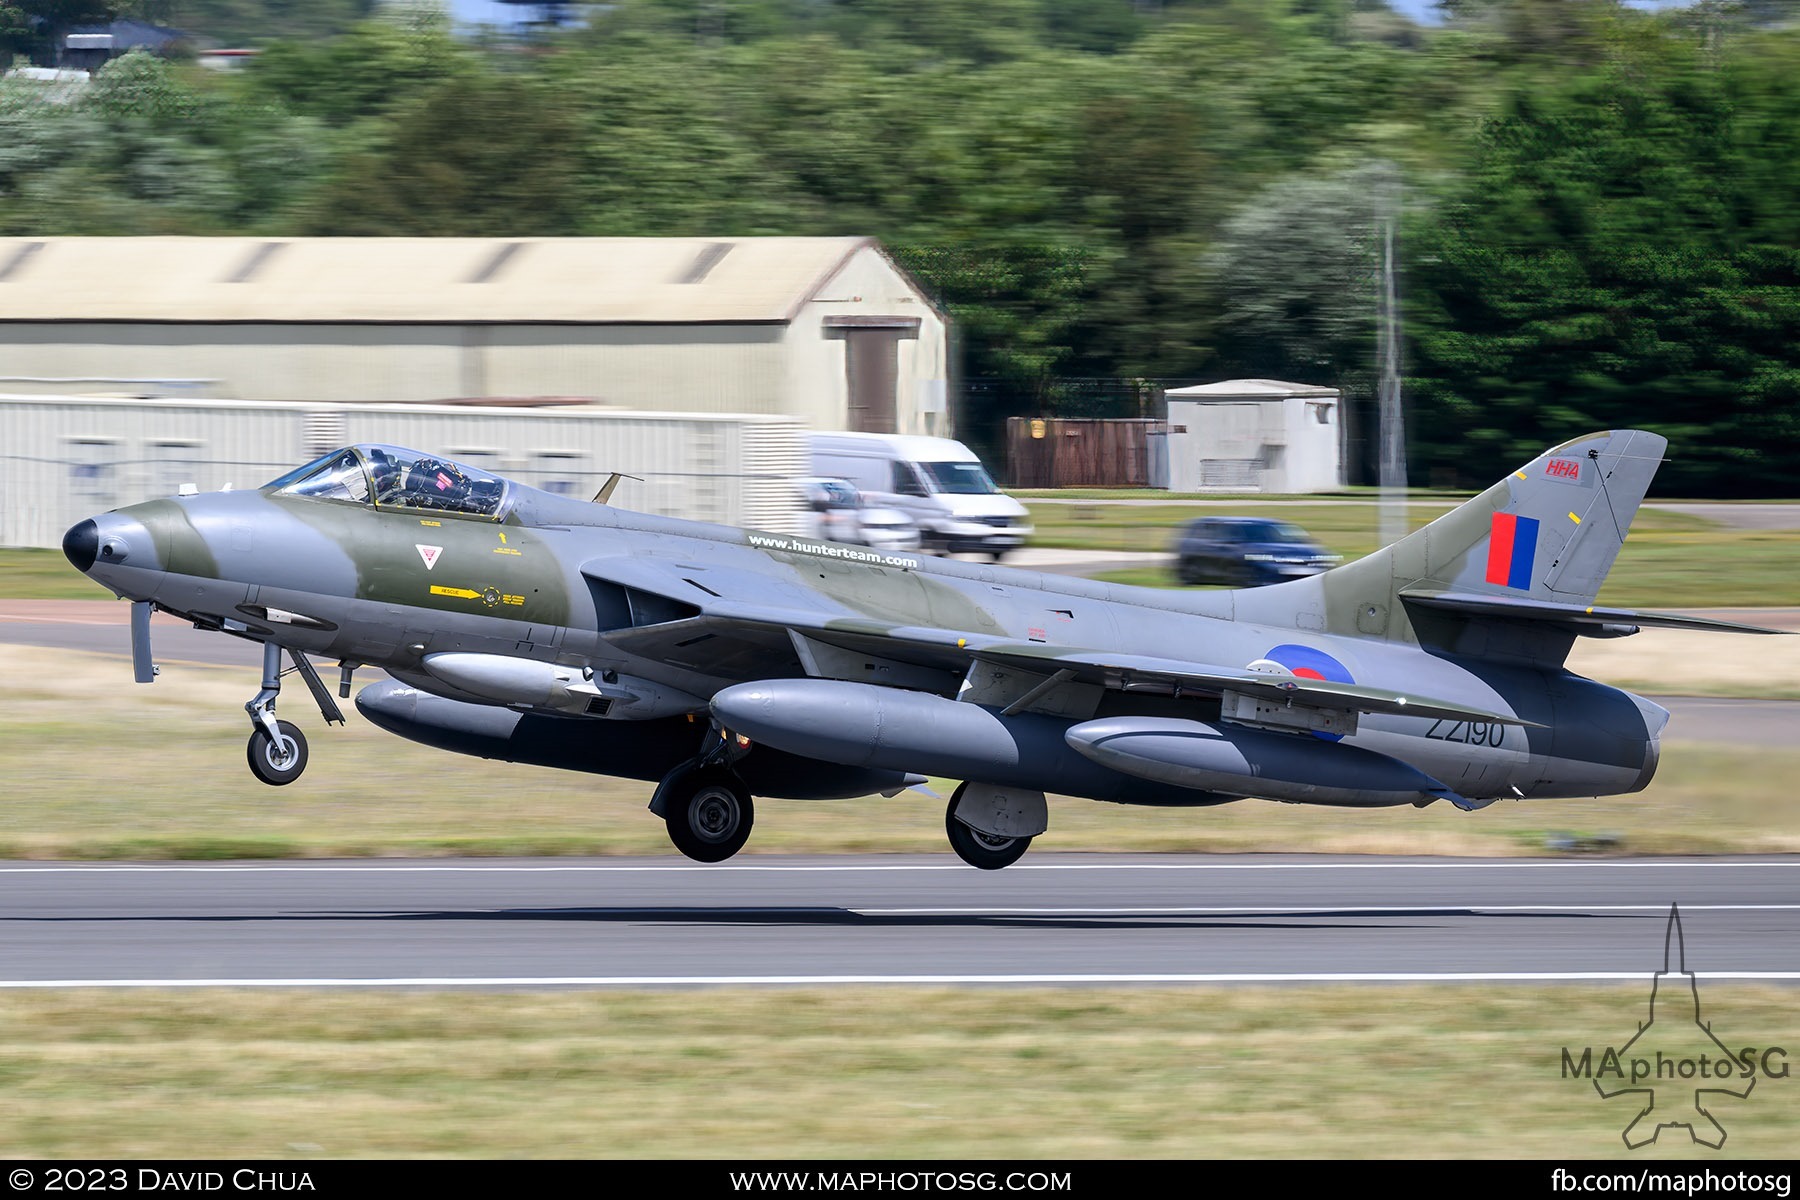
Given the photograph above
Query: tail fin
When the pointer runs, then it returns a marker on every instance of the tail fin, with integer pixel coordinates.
(1538, 543)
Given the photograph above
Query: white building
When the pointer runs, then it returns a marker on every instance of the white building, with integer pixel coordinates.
(66, 458)
(1255, 435)
(826, 330)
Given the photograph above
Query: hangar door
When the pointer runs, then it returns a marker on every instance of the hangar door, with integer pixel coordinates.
(872, 367)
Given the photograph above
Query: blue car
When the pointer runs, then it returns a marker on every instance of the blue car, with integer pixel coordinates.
(1247, 552)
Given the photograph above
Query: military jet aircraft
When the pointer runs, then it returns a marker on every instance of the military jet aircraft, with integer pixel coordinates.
(725, 664)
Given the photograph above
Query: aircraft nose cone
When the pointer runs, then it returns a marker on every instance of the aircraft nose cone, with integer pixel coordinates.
(81, 545)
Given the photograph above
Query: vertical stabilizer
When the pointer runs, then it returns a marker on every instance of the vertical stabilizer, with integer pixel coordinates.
(1548, 533)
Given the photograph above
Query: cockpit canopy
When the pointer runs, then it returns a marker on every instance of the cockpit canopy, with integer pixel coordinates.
(391, 477)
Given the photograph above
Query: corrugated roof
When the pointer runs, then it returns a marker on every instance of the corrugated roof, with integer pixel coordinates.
(581, 280)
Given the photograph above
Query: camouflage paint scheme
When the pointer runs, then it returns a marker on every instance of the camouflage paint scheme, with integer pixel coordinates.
(1430, 670)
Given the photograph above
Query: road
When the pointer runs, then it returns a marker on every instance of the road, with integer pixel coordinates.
(1069, 919)
(1731, 516)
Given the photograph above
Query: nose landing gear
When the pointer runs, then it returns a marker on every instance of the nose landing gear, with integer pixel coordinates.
(277, 749)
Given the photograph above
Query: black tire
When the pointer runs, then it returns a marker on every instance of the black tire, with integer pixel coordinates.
(980, 849)
(997, 555)
(261, 754)
(709, 815)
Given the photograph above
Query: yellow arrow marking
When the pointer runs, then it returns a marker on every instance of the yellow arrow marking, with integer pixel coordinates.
(461, 593)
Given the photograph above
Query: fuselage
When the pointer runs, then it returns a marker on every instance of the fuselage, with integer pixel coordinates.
(394, 587)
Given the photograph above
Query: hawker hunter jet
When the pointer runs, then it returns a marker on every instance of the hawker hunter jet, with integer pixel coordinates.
(725, 664)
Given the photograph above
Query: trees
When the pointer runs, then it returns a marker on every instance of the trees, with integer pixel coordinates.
(33, 28)
(1602, 224)
(1615, 257)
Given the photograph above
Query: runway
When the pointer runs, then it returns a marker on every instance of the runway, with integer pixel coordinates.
(1068, 919)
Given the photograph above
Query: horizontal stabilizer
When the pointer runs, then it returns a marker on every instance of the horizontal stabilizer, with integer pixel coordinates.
(1583, 619)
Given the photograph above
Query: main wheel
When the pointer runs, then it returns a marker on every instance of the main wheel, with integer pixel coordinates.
(709, 815)
(277, 763)
(979, 849)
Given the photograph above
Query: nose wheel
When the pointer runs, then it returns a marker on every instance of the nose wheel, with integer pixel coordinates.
(279, 760)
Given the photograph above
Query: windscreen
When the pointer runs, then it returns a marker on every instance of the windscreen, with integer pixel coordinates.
(1272, 531)
(960, 478)
(392, 477)
(337, 476)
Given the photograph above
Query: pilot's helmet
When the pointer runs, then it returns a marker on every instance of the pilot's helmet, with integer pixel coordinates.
(437, 479)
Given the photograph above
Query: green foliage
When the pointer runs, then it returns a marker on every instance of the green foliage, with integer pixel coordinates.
(251, 22)
(147, 147)
(1599, 223)
(32, 27)
(1614, 256)
(367, 72)
(476, 156)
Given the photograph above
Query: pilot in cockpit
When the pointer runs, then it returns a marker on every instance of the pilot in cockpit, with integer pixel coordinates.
(432, 483)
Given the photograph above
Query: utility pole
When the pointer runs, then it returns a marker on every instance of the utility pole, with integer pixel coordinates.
(1392, 422)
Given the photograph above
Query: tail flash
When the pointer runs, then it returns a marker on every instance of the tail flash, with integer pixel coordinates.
(1543, 539)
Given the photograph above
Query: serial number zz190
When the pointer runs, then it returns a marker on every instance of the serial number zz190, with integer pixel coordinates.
(1472, 733)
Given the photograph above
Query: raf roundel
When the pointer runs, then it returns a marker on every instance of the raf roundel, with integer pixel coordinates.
(1308, 663)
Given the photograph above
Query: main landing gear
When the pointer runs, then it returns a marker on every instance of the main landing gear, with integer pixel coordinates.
(277, 749)
(705, 805)
(992, 827)
(709, 814)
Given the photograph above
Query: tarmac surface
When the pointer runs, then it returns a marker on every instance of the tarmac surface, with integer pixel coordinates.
(1059, 919)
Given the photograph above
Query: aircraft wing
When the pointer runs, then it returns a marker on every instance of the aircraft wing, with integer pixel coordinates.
(1581, 619)
(729, 638)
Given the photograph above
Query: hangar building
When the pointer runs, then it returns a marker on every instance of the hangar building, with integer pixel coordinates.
(826, 330)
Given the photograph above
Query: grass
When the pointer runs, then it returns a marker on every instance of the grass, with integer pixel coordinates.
(44, 575)
(1672, 560)
(96, 767)
(928, 1073)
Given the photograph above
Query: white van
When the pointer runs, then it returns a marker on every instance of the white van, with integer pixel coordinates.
(937, 482)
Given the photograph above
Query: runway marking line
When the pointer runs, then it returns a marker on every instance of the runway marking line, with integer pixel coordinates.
(813, 980)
